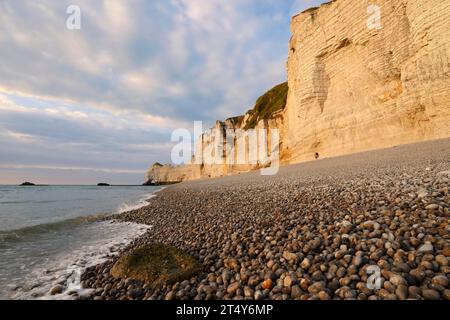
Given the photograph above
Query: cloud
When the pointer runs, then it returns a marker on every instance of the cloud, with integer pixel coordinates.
(63, 168)
(19, 136)
(158, 57)
(52, 136)
(135, 71)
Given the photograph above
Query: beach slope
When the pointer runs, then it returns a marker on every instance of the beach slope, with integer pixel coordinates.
(311, 232)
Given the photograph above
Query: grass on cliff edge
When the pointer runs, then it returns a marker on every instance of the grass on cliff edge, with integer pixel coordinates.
(266, 105)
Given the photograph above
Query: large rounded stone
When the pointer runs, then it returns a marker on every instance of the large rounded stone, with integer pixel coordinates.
(156, 264)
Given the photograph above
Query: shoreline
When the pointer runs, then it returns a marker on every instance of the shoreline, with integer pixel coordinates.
(71, 244)
(73, 288)
(309, 232)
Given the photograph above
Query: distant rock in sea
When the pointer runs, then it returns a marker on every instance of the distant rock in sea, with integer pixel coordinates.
(27, 184)
(103, 185)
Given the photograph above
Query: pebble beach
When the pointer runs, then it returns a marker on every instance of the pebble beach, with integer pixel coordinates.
(308, 233)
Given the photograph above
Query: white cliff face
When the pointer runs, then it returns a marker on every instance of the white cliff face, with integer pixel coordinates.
(360, 78)
(226, 149)
(356, 86)
(230, 149)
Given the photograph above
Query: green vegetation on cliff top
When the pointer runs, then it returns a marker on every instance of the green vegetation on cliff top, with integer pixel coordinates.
(266, 105)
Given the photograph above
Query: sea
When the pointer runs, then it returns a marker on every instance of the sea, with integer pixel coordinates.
(50, 234)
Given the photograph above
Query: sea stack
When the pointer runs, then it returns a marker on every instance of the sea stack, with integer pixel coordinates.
(27, 184)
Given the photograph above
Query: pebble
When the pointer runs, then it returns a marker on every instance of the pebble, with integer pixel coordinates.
(170, 296)
(426, 248)
(316, 287)
(233, 287)
(317, 275)
(259, 295)
(296, 291)
(305, 264)
(231, 263)
(442, 260)
(402, 292)
(357, 261)
(289, 256)
(446, 294)
(57, 290)
(422, 193)
(249, 292)
(397, 280)
(432, 207)
(446, 251)
(267, 284)
(302, 234)
(287, 281)
(253, 281)
(440, 280)
(417, 274)
(323, 295)
(430, 294)
(414, 292)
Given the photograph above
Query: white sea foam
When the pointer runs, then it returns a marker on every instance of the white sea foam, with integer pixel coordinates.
(126, 207)
(66, 269)
(94, 243)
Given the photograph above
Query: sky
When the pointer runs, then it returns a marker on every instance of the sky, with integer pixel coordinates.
(99, 104)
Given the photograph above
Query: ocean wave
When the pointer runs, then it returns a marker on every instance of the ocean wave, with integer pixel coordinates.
(126, 207)
(29, 201)
(24, 234)
(30, 232)
(44, 201)
(36, 258)
(67, 268)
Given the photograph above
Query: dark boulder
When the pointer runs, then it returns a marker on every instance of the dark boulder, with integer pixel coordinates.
(156, 265)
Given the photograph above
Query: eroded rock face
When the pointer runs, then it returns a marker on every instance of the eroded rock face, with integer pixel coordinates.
(356, 83)
(356, 86)
(156, 264)
(211, 160)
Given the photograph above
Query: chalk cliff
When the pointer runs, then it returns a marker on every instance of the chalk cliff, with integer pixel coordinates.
(355, 85)
(236, 145)
(361, 75)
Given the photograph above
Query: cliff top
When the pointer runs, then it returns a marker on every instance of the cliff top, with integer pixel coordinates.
(266, 105)
(313, 9)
